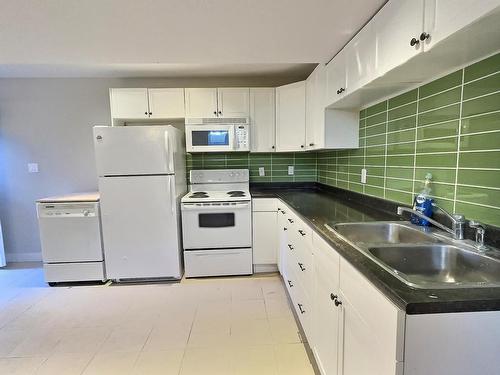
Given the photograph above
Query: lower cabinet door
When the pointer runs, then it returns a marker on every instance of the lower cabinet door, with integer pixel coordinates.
(264, 237)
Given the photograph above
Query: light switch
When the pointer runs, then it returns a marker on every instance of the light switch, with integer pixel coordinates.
(291, 170)
(262, 171)
(32, 167)
(363, 176)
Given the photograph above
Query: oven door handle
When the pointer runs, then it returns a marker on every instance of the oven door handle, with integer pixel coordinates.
(194, 207)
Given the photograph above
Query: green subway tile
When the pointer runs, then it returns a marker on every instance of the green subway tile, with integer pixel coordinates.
(343, 160)
(261, 179)
(362, 113)
(377, 181)
(444, 129)
(376, 140)
(440, 100)
(214, 164)
(484, 214)
(488, 197)
(481, 105)
(237, 163)
(356, 187)
(342, 184)
(403, 111)
(362, 123)
(486, 141)
(487, 159)
(375, 191)
(356, 169)
(396, 184)
(374, 160)
(356, 152)
(438, 145)
(374, 151)
(377, 108)
(283, 179)
(398, 172)
(376, 119)
(402, 99)
(400, 161)
(375, 171)
(402, 124)
(483, 86)
(486, 178)
(438, 175)
(343, 168)
(441, 84)
(442, 191)
(482, 68)
(401, 136)
(444, 204)
(342, 153)
(439, 115)
(436, 160)
(400, 197)
(305, 178)
(482, 123)
(376, 129)
(401, 148)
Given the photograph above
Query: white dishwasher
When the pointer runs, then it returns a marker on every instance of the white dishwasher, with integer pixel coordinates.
(71, 238)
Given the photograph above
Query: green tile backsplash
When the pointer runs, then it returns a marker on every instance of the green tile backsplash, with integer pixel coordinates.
(449, 127)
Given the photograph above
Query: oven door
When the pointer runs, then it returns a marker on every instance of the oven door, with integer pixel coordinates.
(217, 225)
(212, 138)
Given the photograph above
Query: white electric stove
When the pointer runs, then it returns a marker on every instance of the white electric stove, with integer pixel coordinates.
(217, 223)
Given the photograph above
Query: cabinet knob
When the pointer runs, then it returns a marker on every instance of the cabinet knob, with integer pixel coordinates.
(424, 36)
(337, 302)
(290, 247)
(414, 42)
(272, 147)
(220, 113)
(290, 221)
(285, 228)
(333, 297)
(150, 113)
(311, 144)
(145, 113)
(215, 113)
(302, 146)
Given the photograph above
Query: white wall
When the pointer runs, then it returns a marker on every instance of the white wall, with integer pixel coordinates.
(49, 121)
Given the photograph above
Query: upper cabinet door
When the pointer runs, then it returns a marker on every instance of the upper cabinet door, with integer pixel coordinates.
(336, 78)
(361, 59)
(398, 26)
(445, 17)
(233, 102)
(166, 103)
(129, 103)
(201, 102)
(315, 108)
(262, 119)
(291, 117)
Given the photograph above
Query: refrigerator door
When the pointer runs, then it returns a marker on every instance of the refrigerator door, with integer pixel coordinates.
(134, 150)
(140, 227)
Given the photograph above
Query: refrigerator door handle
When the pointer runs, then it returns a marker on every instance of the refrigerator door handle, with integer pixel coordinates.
(170, 152)
(172, 195)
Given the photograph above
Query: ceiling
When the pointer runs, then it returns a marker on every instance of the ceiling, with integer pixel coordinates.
(174, 38)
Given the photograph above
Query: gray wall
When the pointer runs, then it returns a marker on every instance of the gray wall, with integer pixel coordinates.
(49, 121)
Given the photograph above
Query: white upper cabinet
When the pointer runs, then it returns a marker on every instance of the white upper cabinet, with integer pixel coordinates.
(315, 108)
(233, 102)
(166, 103)
(129, 103)
(291, 117)
(201, 102)
(336, 78)
(397, 28)
(262, 119)
(361, 59)
(445, 17)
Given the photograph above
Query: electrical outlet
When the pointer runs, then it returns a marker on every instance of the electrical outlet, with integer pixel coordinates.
(32, 167)
(291, 170)
(262, 171)
(363, 175)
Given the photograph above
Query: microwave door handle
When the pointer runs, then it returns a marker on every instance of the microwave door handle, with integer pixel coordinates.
(170, 152)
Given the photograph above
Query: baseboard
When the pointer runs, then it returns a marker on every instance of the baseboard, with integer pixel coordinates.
(263, 268)
(23, 257)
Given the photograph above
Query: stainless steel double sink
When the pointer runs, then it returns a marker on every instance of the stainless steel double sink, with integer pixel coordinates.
(422, 257)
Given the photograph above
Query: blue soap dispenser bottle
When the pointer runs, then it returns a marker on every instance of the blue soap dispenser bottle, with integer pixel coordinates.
(423, 203)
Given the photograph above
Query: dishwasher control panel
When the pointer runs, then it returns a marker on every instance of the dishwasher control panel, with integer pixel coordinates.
(56, 210)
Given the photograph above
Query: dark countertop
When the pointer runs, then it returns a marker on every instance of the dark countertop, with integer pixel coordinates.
(318, 205)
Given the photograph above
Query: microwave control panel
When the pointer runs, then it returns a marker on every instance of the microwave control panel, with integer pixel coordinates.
(241, 133)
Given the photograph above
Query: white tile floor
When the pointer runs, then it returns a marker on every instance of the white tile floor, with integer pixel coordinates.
(210, 326)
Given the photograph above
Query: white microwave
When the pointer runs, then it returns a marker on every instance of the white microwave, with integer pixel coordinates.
(217, 135)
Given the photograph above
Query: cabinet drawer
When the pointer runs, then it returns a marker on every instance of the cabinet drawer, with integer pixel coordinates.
(264, 204)
(303, 308)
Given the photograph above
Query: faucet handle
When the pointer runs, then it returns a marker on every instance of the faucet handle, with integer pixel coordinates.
(459, 218)
(476, 225)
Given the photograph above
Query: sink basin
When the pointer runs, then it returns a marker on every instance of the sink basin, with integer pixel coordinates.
(383, 232)
(438, 265)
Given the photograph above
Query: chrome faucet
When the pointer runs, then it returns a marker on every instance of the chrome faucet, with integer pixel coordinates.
(480, 230)
(458, 221)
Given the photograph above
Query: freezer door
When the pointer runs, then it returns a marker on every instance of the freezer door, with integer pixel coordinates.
(134, 150)
(140, 227)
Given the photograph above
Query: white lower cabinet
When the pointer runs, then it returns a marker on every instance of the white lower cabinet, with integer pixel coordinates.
(265, 237)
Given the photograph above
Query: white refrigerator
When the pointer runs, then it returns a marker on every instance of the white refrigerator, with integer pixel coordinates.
(142, 176)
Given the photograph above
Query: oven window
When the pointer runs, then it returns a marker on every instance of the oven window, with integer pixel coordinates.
(216, 220)
(210, 137)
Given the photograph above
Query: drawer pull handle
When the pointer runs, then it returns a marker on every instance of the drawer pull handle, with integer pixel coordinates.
(333, 297)
(301, 265)
(290, 247)
(290, 283)
(290, 220)
(302, 233)
(285, 228)
(337, 302)
(283, 212)
(302, 311)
